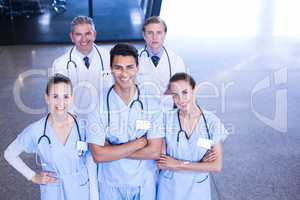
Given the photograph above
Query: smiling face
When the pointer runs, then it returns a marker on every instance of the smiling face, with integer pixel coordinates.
(183, 94)
(154, 36)
(124, 70)
(83, 37)
(59, 98)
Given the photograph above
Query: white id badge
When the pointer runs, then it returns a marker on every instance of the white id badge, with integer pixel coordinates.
(204, 143)
(142, 125)
(81, 146)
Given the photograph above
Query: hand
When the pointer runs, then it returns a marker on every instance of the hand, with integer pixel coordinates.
(167, 162)
(43, 178)
(141, 142)
(210, 156)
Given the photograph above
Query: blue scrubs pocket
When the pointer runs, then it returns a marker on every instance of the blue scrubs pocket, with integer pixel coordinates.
(83, 177)
(83, 192)
(200, 179)
(51, 191)
(84, 182)
(167, 174)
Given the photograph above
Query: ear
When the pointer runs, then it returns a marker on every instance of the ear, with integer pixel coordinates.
(196, 90)
(72, 99)
(46, 99)
(144, 36)
(168, 91)
(71, 36)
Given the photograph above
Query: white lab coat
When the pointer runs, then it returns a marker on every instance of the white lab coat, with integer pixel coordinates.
(156, 78)
(87, 82)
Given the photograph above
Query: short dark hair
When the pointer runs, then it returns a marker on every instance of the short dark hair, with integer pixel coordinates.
(123, 49)
(58, 78)
(182, 77)
(154, 20)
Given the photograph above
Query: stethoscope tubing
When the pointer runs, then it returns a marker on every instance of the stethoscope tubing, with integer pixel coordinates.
(167, 54)
(138, 100)
(184, 132)
(74, 63)
(45, 128)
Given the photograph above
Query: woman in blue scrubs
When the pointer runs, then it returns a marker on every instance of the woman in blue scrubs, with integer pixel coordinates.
(189, 133)
(58, 142)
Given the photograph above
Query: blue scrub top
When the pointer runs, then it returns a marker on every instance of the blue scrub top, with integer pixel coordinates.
(63, 160)
(196, 184)
(123, 119)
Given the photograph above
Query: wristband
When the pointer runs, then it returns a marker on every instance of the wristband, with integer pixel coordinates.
(186, 162)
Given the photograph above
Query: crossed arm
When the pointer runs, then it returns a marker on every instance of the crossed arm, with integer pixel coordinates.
(140, 149)
(212, 162)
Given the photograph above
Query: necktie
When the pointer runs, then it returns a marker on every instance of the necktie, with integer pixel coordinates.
(86, 62)
(155, 60)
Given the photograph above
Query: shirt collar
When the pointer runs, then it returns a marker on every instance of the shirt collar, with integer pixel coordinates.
(120, 100)
(159, 54)
(81, 56)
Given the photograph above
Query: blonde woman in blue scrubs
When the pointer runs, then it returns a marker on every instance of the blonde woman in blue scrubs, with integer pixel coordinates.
(189, 133)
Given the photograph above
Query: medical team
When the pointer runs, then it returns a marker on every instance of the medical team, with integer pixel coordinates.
(100, 106)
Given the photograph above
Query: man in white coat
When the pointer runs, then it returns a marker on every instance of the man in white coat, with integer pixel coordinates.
(86, 64)
(157, 62)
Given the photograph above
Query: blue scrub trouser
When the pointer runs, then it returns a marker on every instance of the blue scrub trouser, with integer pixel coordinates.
(147, 191)
(120, 193)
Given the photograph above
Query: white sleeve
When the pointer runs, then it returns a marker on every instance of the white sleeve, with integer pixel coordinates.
(59, 66)
(11, 155)
(182, 66)
(179, 65)
(93, 176)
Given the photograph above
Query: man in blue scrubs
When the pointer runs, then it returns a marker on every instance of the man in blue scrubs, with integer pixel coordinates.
(125, 133)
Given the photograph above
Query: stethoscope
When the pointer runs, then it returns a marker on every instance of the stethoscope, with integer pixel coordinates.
(74, 63)
(80, 148)
(165, 50)
(138, 100)
(181, 131)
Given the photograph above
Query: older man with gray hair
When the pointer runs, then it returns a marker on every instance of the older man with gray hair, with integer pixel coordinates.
(86, 64)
